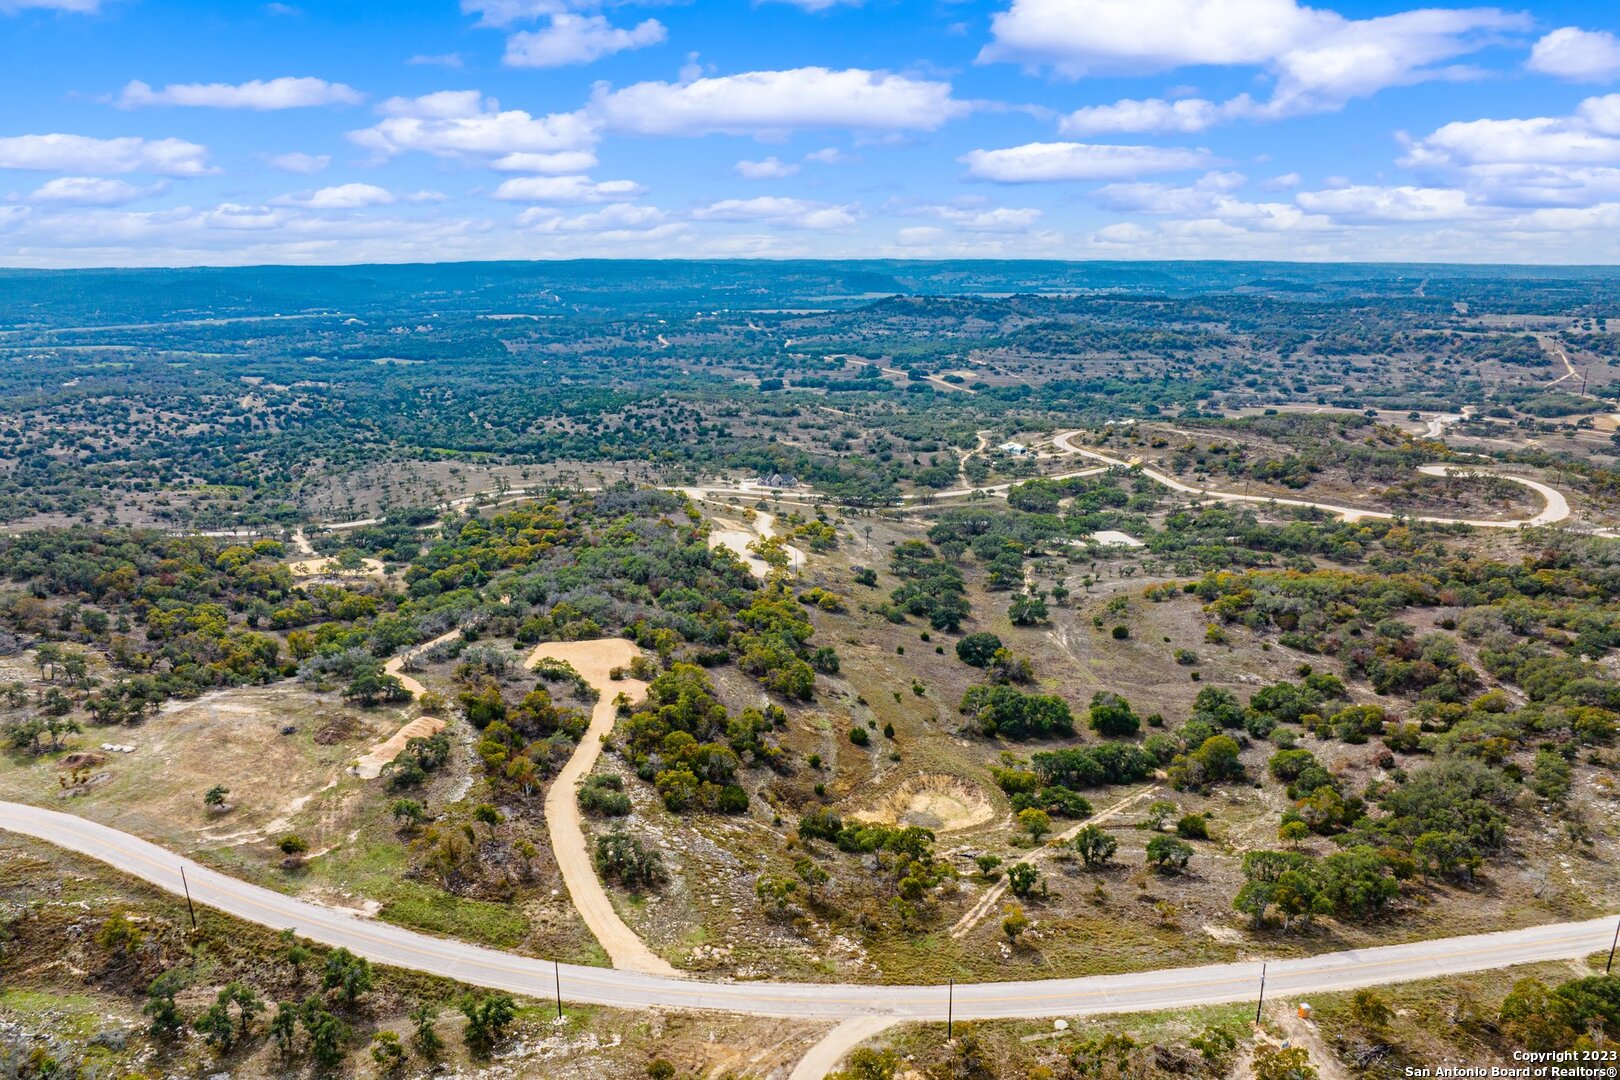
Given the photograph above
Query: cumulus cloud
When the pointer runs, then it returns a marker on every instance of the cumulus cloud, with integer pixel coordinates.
(831, 155)
(778, 210)
(299, 162)
(449, 60)
(340, 197)
(578, 39)
(507, 12)
(771, 168)
(97, 157)
(1577, 55)
(1404, 203)
(258, 94)
(90, 191)
(1319, 59)
(556, 163)
(458, 123)
(977, 218)
(1036, 162)
(616, 221)
(1152, 115)
(566, 190)
(81, 7)
(766, 103)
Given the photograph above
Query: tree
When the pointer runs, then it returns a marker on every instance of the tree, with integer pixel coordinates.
(327, 1034)
(295, 952)
(1095, 846)
(1193, 827)
(423, 1034)
(284, 1027)
(1027, 609)
(488, 1016)
(485, 814)
(978, 649)
(408, 811)
(214, 798)
(388, 1052)
(160, 1007)
(1158, 812)
(1111, 716)
(1037, 823)
(811, 873)
(1021, 878)
(372, 686)
(1014, 922)
(776, 891)
(869, 1064)
(1293, 831)
(1275, 1063)
(1369, 1011)
(348, 974)
(1168, 855)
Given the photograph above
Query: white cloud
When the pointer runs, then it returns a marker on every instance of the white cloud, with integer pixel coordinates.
(776, 102)
(341, 197)
(90, 191)
(299, 162)
(507, 12)
(83, 154)
(1364, 203)
(831, 155)
(80, 7)
(616, 221)
(1319, 59)
(820, 5)
(448, 60)
(1154, 114)
(977, 219)
(777, 210)
(258, 94)
(771, 168)
(566, 190)
(456, 123)
(550, 164)
(1035, 162)
(578, 39)
(1576, 54)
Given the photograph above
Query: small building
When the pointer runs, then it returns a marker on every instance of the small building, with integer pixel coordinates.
(777, 480)
(1013, 449)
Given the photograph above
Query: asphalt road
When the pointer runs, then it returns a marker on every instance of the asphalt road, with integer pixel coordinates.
(1149, 990)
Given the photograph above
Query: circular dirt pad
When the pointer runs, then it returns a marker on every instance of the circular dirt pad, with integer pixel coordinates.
(941, 803)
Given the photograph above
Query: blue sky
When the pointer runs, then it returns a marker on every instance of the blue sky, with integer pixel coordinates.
(144, 133)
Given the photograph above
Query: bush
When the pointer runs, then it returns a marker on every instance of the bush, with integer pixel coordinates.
(978, 649)
(624, 858)
(603, 794)
(859, 737)
(1193, 827)
(1168, 855)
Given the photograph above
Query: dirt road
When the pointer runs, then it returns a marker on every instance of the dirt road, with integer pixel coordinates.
(594, 660)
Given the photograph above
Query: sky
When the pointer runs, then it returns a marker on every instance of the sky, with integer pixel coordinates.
(174, 133)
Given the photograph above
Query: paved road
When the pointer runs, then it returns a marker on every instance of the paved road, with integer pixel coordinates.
(1149, 990)
(1556, 508)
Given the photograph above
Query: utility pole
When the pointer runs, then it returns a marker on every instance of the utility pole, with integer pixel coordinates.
(950, 1006)
(556, 973)
(1612, 944)
(1261, 1003)
(191, 910)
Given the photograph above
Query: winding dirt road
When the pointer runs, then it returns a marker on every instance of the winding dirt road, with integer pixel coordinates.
(594, 660)
(1555, 510)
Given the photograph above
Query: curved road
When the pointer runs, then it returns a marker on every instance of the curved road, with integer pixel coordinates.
(1556, 508)
(1148, 990)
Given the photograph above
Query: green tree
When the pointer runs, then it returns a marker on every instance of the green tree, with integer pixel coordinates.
(1112, 716)
(1168, 855)
(424, 1036)
(488, 1016)
(1036, 823)
(388, 1053)
(214, 798)
(978, 649)
(1021, 878)
(1014, 922)
(1095, 846)
(348, 974)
